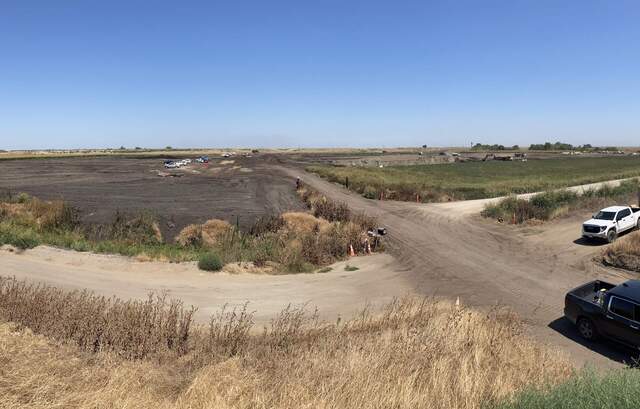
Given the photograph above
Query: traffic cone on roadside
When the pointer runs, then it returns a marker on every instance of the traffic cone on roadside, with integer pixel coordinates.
(351, 252)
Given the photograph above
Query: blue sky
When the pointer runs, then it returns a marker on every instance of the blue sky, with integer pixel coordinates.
(323, 73)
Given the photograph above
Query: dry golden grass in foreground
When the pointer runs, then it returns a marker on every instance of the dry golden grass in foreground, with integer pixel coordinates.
(411, 354)
(624, 253)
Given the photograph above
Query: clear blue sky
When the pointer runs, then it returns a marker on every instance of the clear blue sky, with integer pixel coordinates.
(317, 73)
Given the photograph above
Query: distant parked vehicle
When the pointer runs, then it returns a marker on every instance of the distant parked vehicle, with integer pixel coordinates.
(608, 223)
(170, 165)
(203, 159)
(601, 309)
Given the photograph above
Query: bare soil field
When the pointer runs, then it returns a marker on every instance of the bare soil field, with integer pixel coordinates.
(237, 189)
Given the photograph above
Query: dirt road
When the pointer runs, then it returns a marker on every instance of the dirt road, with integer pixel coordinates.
(335, 293)
(450, 251)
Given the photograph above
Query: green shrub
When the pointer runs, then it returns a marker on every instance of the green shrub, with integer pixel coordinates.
(370, 192)
(23, 198)
(17, 237)
(351, 268)
(210, 262)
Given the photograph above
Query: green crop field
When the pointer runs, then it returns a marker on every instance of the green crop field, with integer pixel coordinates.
(476, 180)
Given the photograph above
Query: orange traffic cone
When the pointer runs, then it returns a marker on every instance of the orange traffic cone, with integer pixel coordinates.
(351, 252)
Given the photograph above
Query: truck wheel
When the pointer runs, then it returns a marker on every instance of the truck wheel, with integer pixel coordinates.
(612, 236)
(638, 225)
(586, 329)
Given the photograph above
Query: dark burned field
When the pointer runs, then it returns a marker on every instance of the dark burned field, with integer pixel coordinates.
(245, 190)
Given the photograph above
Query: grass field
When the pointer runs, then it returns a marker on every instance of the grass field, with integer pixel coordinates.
(476, 180)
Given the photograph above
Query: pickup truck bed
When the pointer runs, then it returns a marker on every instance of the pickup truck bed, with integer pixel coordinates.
(591, 291)
(601, 309)
(585, 299)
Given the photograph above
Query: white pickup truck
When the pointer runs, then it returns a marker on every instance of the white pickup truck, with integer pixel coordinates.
(608, 223)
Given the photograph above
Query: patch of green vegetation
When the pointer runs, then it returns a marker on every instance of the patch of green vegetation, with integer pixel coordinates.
(210, 262)
(477, 180)
(614, 390)
(325, 270)
(495, 147)
(552, 204)
(351, 268)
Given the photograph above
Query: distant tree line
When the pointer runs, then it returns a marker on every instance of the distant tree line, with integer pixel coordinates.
(483, 147)
(560, 146)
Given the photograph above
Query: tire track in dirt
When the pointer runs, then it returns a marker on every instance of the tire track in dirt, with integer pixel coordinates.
(460, 255)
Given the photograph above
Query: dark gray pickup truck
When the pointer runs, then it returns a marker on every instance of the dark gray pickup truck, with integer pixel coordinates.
(601, 309)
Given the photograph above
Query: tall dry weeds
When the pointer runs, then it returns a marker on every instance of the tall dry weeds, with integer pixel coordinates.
(624, 253)
(414, 353)
(133, 329)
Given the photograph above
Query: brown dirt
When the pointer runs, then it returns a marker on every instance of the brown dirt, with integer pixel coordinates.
(336, 293)
(102, 186)
(449, 250)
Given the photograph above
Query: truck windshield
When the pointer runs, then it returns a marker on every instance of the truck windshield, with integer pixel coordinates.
(605, 215)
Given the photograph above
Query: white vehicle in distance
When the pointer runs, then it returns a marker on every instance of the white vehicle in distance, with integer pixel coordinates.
(608, 223)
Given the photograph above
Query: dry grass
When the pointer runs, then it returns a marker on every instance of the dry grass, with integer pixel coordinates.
(624, 253)
(191, 235)
(210, 234)
(303, 222)
(294, 242)
(411, 354)
(215, 231)
(133, 329)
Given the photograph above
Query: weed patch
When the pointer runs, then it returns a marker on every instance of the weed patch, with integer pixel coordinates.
(412, 353)
(553, 204)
